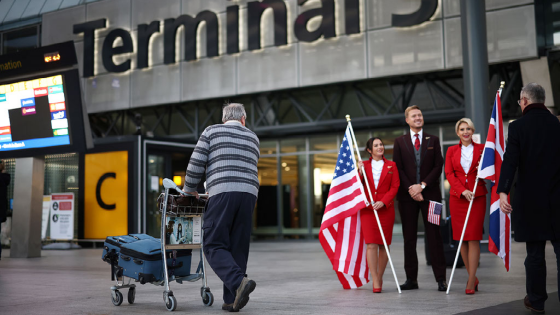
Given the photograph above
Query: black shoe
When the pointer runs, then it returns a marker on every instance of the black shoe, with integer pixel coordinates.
(409, 285)
(228, 307)
(530, 307)
(442, 285)
(242, 293)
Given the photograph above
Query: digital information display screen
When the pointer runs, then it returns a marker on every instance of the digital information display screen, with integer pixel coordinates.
(34, 114)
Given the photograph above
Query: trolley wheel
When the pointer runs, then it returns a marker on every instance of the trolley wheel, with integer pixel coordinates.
(117, 298)
(131, 295)
(171, 303)
(208, 298)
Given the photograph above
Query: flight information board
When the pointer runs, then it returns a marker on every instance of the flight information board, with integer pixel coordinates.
(34, 114)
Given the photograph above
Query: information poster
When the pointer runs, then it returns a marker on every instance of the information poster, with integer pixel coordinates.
(62, 216)
(46, 211)
(181, 230)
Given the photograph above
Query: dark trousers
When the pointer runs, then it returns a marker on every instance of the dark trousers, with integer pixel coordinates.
(409, 217)
(535, 271)
(227, 233)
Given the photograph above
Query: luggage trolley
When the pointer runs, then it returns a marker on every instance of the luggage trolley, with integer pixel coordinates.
(175, 204)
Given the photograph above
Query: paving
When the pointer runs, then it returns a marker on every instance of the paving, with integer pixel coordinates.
(293, 277)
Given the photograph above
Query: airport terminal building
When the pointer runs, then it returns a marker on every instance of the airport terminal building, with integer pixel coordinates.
(154, 74)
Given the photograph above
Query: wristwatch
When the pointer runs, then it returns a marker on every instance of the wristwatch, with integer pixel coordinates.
(423, 186)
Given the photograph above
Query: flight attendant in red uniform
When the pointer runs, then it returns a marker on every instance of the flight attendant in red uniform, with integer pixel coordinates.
(461, 167)
(383, 179)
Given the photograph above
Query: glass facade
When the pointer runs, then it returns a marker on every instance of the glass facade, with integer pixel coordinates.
(22, 39)
(304, 168)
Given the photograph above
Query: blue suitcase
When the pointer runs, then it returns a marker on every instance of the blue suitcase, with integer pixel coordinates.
(142, 261)
(112, 245)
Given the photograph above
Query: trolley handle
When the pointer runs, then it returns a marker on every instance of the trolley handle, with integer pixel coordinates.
(169, 184)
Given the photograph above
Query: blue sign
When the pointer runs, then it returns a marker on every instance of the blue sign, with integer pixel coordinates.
(58, 115)
(26, 102)
(6, 138)
(35, 143)
(2, 97)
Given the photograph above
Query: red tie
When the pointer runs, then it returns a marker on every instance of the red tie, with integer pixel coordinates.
(417, 143)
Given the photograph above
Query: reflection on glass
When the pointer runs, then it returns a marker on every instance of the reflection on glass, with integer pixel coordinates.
(154, 178)
(294, 195)
(323, 143)
(267, 147)
(323, 169)
(265, 217)
(292, 145)
(19, 40)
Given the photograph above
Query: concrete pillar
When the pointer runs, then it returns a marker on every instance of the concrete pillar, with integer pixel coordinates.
(28, 207)
(537, 71)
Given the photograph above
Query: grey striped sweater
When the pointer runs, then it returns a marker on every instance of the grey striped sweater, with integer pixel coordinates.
(229, 153)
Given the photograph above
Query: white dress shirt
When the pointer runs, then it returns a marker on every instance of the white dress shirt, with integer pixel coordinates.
(413, 136)
(376, 168)
(467, 157)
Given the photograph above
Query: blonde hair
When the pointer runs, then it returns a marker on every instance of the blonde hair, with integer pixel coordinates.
(466, 121)
(409, 108)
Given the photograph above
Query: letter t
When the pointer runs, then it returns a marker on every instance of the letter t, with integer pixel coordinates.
(88, 28)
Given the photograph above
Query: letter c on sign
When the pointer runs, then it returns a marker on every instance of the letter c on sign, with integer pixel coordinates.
(98, 191)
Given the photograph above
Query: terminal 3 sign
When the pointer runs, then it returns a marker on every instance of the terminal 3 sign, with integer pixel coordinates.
(255, 10)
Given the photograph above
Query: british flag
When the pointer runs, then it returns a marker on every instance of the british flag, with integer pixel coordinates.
(499, 241)
(341, 231)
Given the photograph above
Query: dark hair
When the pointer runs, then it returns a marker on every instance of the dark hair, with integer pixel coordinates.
(369, 144)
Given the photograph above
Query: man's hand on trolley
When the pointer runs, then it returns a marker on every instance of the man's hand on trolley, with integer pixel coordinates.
(194, 193)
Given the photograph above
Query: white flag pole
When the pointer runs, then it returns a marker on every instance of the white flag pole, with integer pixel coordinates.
(371, 198)
(468, 214)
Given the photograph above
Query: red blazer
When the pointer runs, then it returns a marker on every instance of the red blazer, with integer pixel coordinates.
(388, 185)
(458, 180)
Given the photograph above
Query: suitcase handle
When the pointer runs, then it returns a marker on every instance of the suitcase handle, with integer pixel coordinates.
(125, 258)
(175, 267)
(138, 262)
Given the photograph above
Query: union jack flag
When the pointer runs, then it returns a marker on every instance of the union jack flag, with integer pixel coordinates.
(499, 241)
(341, 231)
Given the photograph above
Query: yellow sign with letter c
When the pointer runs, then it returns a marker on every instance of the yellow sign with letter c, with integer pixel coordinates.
(105, 194)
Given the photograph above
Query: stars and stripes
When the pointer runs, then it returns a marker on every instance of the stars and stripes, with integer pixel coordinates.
(491, 162)
(340, 235)
(434, 212)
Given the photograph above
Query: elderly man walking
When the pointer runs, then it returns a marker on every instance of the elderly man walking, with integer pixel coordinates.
(532, 151)
(229, 154)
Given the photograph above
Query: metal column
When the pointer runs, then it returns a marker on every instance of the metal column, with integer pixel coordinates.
(475, 69)
(28, 207)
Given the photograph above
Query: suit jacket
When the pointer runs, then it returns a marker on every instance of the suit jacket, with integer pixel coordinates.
(431, 164)
(455, 174)
(388, 183)
(4, 182)
(532, 150)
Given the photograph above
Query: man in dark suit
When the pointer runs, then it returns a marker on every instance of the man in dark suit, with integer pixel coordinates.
(533, 149)
(419, 161)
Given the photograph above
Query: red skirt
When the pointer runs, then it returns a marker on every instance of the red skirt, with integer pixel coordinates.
(371, 229)
(458, 208)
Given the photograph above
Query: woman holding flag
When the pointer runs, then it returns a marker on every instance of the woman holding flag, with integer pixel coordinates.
(383, 179)
(461, 167)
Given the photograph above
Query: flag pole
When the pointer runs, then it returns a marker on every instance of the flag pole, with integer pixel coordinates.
(371, 198)
(468, 214)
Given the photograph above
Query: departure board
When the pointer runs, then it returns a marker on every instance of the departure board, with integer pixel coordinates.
(34, 114)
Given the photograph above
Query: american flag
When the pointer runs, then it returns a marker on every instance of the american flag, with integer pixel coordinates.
(341, 231)
(434, 212)
(500, 224)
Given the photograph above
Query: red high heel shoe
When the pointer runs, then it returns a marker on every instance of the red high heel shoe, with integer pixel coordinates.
(467, 291)
(378, 290)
